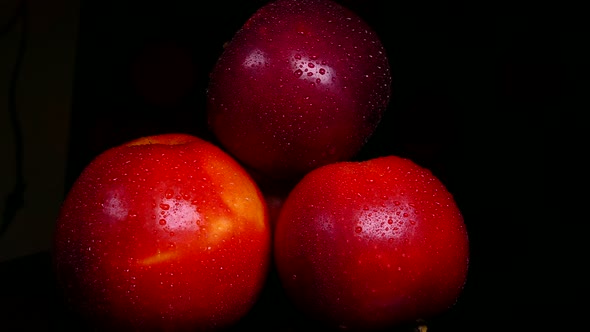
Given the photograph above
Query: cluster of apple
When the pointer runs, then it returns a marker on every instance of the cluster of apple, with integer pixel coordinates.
(173, 232)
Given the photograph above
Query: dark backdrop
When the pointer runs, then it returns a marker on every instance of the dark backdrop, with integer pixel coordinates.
(463, 88)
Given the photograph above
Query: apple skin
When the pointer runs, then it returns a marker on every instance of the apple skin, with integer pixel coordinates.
(166, 232)
(301, 84)
(371, 244)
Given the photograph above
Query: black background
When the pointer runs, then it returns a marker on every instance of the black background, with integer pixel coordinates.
(468, 102)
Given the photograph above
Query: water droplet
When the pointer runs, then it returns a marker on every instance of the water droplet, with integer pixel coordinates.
(298, 56)
(162, 222)
(405, 215)
(318, 81)
(358, 229)
(310, 65)
(412, 222)
(390, 221)
(298, 73)
(164, 206)
(169, 194)
(397, 203)
(322, 71)
(171, 233)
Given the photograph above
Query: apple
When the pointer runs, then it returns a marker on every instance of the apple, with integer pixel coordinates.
(371, 244)
(165, 232)
(301, 84)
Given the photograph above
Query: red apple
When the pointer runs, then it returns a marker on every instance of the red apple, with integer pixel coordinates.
(165, 232)
(371, 244)
(301, 84)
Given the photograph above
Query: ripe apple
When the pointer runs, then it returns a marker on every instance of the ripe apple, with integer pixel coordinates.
(166, 232)
(371, 244)
(301, 84)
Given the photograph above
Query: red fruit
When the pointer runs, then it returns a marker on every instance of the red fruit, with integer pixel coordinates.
(301, 84)
(165, 232)
(371, 244)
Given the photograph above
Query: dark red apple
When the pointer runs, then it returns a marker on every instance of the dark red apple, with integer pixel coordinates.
(301, 84)
(165, 232)
(371, 244)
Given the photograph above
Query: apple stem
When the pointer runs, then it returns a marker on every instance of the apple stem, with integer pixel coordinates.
(421, 326)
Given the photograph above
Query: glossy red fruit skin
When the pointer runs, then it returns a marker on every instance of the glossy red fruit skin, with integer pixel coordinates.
(371, 244)
(165, 233)
(301, 84)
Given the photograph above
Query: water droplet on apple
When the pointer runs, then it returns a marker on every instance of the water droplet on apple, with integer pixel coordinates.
(169, 193)
(358, 229)
(162, 222)
(164, 206)
(298, 73)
